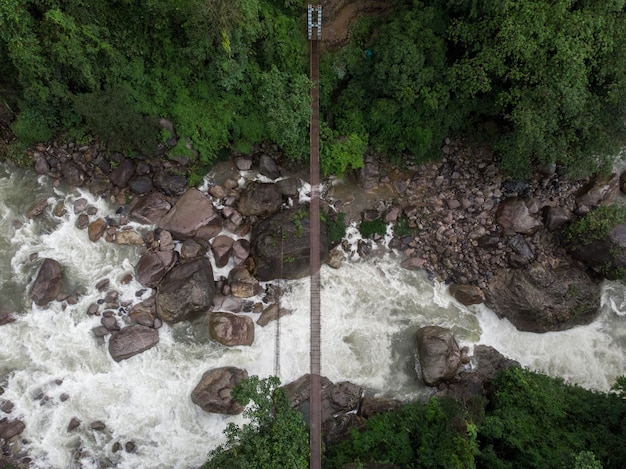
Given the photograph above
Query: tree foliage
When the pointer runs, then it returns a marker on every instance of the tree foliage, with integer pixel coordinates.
(275, 438)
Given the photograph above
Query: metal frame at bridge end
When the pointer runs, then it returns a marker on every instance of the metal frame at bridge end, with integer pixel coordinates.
(314, 20)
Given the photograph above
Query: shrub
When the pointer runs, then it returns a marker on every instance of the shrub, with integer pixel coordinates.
(367, 228)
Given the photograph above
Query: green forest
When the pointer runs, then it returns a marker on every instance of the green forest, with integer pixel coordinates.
(542, 81)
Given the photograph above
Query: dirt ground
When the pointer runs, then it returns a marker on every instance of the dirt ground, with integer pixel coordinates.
(338, 15)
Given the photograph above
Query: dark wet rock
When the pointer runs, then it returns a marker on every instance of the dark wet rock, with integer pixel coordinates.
(74, 424)
(6, 406)
(97, 425)
(131, 341)
(522, 248)
(82, 222)
(477, 381)
(285, 233)
(439, 354)
(272, 313)
(288, 187)
(122, 173)
(6, 318)
(130, 446)
(73, 174)
(192, 211)
(186, 290)
(370, 406)
(541, 299)
(467, 294)
(337, 398)
(149, 209)
(10, 428)
(48, 283)
(153, 265)
(37, 209)
(231, 329)
(141, 185)
(555, 217)
(212, 393)
(169, 183)
(268, 168)
(260, 199)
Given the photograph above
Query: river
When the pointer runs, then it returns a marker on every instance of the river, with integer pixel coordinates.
(53, 370)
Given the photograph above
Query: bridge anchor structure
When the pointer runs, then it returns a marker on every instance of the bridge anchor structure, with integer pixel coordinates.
(314, 26)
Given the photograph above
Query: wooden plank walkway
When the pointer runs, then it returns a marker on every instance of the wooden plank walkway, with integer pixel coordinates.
(315, 391)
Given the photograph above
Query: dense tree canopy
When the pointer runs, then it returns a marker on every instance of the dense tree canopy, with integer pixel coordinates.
(545, 80)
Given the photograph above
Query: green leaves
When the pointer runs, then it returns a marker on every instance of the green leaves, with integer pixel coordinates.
(275, 438)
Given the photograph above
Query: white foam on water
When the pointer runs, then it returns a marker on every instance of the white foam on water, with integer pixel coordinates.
(371, 311)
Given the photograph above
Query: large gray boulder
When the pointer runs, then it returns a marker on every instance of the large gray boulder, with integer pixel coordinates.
(192, 211)
(600, 190)
(150, 208)
(439, 354)
(477, 381)
(541, 299)
(260, 199)
(48, 283)
(231, 329)
(337, 398)
(153, 265)
(212, 393)
(131, 341)
(186, 290)
(514, 217)
(281, 245)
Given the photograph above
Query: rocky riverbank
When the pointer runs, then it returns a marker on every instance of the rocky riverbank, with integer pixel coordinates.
(491, 238)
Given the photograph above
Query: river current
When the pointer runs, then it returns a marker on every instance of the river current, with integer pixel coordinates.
(53, 370)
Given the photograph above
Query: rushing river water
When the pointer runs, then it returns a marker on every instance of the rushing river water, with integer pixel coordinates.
(53, 370)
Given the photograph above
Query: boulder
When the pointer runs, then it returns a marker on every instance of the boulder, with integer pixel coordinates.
(268, 168)
(370, 406)
(600, 190)
(467, 294)
(96, 229)
(10, 428)
(192, 211)
(241, 251)
(541, 299)
(231, 329)
(149, 209)
(122, 173)
(128, 237)
(131, 341)
(487, 363)
(73, 174)
(514, 217)
(48, 283)
(337, 398)
(260, 199)
(212, 393)
(281, 245)
(141, 185)
(272, 313)
(170, 183)
(153, 265)
(186, 290)
(555, 217)
(221, 247)
(439, 354)
(242, 283)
